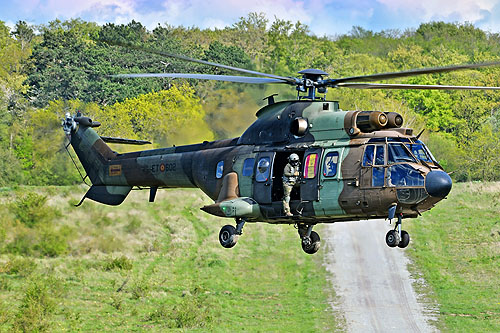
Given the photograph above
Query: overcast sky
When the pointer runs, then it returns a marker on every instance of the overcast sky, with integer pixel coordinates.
(324, 17)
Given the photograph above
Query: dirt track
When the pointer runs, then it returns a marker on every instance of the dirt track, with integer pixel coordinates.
(371, 280)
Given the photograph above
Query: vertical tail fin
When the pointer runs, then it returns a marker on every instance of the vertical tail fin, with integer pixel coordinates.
(95, 155)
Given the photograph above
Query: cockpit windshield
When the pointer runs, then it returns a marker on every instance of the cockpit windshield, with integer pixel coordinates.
(399, 153)
(404, 175)
(420, 151)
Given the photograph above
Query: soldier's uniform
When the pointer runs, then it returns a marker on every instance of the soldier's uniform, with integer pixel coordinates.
(290, 179)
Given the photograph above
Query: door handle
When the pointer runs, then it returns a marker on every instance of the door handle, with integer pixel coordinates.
(353, 183)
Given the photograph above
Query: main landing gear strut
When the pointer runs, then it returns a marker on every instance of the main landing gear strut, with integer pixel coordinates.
(310, 239)
(228, 235)
(397, 237)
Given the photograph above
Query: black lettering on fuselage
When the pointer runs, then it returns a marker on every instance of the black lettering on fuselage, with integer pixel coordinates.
(161, 167)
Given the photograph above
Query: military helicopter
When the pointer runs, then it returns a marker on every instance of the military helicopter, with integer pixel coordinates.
(356, 165)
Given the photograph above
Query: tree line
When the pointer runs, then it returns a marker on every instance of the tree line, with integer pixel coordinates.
(64, 66)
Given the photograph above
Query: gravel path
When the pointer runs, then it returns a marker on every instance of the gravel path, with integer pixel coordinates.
(371, 280)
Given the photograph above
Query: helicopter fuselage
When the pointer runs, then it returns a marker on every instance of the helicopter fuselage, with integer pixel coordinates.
(353, 166)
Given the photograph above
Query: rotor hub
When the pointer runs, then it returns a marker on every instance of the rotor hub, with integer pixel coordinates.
(311, 79)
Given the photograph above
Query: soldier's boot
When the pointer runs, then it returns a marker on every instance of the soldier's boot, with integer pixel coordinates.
(286, 208)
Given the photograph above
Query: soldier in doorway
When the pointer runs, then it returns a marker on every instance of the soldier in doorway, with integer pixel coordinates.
(291, 176)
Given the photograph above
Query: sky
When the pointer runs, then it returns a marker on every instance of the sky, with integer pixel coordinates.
(324, 17)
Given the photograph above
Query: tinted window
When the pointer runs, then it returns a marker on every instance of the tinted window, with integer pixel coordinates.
(248, 166)
(220, 169)
(379, 155)
(330, 164)
(398, 153)
(378, 176)
(403, 175)
(310, 166)
(262, 171)
(374, 155)
(368, 157)
(418, 150)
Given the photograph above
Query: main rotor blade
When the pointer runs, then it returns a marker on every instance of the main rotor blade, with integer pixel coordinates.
(214, 64)
(228, 78)
(412, 72)
(410, 86)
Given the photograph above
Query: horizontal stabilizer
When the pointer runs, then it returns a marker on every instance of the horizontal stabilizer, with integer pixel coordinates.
(109, 139)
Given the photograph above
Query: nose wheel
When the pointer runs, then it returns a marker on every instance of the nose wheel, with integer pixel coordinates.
(397, 236)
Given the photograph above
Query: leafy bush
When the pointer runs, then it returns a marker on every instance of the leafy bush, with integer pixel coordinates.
(53, 242)
(134, 225)
(121, 263)
(34, 232)
(19, 266)
(31, 209)
(140, 288)
(37, 306)
(44, 240)
(10, 168)
(193, 311)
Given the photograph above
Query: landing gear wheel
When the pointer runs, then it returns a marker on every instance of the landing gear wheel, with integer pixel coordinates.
(405, 239)
(392, 238)
(228, 236)
(311, 244)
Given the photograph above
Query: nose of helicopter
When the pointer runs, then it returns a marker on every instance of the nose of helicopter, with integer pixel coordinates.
(438, 184)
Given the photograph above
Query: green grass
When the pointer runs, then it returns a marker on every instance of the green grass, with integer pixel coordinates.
(456, 248)
(155, 267)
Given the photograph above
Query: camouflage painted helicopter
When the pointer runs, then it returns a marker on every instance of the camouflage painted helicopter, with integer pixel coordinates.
(356, 165)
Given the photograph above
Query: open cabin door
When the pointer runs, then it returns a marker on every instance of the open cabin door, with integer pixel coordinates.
(263, 178)
(309, 187)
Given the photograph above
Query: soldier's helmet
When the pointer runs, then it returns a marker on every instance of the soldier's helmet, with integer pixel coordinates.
(293, 158)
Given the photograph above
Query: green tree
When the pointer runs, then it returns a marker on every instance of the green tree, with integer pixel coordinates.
(24, 34)
(172, 116)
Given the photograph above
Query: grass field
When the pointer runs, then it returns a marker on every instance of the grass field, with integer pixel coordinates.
(150, 266)
(456, 248)
(153, 267)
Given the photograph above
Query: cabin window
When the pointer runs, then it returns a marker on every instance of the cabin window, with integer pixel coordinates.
(378, 176)
(404, 175)
(219, 170)
(310, 166)
(248, 166)
(397, 152)
(262, 171)
(330, 164)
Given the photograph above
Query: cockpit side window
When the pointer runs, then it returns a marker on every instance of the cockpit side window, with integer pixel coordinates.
(378, 176)
(374, 155)
(368, 156)
(379, 155)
